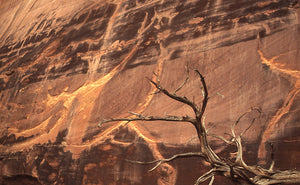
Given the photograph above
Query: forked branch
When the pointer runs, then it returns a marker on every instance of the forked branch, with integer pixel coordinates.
(161, 161)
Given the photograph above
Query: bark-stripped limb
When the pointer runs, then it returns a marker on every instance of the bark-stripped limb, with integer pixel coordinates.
(140, 117)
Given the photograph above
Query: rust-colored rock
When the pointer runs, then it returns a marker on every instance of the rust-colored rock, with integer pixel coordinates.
(64, 65)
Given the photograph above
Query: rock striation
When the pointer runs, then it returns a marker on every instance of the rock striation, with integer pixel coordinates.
(65, 65)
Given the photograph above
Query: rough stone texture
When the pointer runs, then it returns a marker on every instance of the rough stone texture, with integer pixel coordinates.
(64, 65)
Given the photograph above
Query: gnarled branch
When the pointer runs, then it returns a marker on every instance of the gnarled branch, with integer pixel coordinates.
(238, 171)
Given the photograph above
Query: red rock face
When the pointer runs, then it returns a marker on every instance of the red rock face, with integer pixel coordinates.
(65, 65)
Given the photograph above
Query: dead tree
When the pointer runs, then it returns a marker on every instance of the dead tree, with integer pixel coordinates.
(238, 171)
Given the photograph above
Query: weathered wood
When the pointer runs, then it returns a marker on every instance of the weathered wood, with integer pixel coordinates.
(238, 171)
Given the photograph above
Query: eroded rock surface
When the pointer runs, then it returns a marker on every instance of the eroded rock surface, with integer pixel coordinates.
(64, 65)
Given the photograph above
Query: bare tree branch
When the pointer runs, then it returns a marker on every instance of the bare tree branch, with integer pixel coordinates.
(205, 95)
(220, 137)
(161, 161)
(210, 174)
(151, 118)
(239, 119)
(212, 180)
(238, 171)
(184, 100)
(185, 81)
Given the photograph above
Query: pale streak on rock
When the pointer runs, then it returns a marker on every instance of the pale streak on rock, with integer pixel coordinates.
(274, 122)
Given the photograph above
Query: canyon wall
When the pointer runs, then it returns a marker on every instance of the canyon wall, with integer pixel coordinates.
(66, 65)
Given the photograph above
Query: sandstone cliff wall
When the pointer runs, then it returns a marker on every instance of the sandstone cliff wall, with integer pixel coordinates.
(64, 65)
